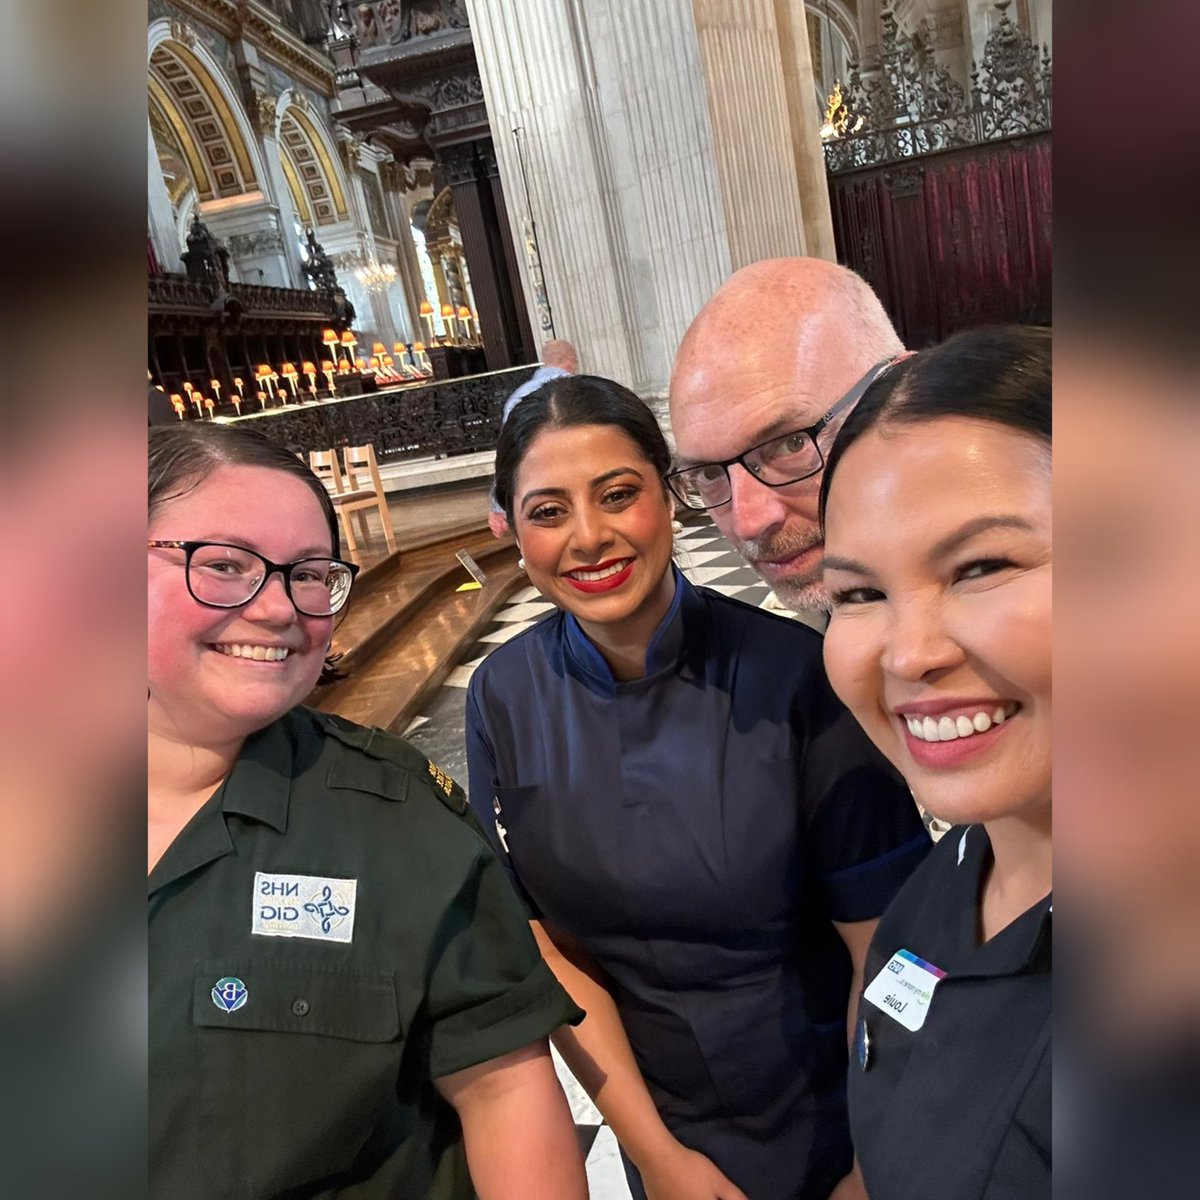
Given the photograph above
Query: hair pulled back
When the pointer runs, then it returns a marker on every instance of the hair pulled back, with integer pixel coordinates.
(183, 456)
(997, 373)
(572, 401)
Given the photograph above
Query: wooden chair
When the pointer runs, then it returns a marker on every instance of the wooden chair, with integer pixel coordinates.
(351, 493)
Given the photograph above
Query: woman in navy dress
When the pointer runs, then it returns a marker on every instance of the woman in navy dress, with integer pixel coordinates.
(702, 834)
(938, 559)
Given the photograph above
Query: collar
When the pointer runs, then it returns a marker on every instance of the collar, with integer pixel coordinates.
(663, 651)
(260, 784)
(259, 787)
(1023, 945)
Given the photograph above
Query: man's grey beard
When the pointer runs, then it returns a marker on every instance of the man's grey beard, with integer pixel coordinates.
(805, 594)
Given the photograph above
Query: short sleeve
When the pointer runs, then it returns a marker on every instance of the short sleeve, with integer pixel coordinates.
(489, 990)
(864, 831)
(482, 783)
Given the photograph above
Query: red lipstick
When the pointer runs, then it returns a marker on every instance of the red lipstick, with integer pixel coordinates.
(607, 584)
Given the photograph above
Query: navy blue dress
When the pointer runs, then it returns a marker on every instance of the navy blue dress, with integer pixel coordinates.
(698, 830)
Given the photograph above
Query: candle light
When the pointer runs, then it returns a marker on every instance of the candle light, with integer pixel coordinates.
(196, 399)
(210, 405)
(177, 404)
(216, 387)
(330, 339)
(237, 403)
(311, 371)
(328, 370)
(289, 373)
(448, 317)
(349, 341)
(464, 315)
(427, 317)
(264, 377)
(237, 383)
(262, 398)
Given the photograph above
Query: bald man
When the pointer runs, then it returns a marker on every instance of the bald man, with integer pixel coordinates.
(763, 379)
(559, 357)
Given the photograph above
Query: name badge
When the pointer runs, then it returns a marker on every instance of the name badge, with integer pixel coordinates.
(904, 988)
(303, 906)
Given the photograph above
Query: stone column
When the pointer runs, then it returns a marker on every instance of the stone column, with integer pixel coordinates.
(160, 216)
(467, 169)
(616, 146)
(752, 136)
(257, 246)
(800, 87)
(663, 148)
(391, 175)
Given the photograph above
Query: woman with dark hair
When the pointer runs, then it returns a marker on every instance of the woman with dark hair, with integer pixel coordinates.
(936, 506)
(701, 833)
(343, 991)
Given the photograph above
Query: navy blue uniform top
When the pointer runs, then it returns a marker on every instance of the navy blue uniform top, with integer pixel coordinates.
(698, 830)
(960, 1108)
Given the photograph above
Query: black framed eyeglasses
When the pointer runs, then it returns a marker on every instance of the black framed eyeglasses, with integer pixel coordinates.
(788, 458)
(220, 575)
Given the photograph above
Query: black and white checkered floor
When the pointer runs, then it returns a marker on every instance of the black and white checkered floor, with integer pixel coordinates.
(705, 557)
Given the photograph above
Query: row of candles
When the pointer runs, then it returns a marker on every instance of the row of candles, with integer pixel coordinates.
(458, 321)
(268, 386)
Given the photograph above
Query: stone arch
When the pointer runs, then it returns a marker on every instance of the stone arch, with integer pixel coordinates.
(440, 216)
(309, 163)
(188, 90)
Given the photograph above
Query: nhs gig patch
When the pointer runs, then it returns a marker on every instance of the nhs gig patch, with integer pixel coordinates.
(303, 906)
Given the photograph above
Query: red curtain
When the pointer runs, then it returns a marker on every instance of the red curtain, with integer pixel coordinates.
(952, 240)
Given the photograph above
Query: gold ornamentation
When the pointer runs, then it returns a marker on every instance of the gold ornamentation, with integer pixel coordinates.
(440, 778)
(839, 120)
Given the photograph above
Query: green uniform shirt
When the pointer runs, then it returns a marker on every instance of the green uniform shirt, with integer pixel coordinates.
(328, 935)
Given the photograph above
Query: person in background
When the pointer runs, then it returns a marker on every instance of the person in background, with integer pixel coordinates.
(344, 994)
(559, 358)
(750, 438)
(936, 511)
(703, 835)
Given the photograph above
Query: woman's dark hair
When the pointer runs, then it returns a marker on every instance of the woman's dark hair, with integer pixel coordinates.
(569, 401)
(998, 373)
(184, 455)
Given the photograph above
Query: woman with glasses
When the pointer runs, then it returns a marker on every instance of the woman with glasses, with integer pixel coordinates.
(701, 833)
(342, 989)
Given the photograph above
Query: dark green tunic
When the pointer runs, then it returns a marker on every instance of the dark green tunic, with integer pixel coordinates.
(328, 935)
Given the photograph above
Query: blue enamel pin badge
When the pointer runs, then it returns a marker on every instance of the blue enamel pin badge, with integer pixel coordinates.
(229, 994)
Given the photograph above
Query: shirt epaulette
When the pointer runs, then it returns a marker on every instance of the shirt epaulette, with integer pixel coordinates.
(388, 747)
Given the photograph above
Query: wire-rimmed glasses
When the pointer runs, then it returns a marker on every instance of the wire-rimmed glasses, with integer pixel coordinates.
(786, 458)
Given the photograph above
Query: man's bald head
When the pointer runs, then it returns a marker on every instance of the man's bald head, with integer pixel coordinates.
(561, 354)
(776, 347)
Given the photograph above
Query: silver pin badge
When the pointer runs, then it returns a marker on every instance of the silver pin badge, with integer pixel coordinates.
(862, 1044)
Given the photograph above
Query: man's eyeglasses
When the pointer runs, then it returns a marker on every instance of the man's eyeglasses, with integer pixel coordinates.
(776, 462)
(223, 576)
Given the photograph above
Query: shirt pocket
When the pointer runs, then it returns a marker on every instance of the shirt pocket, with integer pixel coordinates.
(296, 1065)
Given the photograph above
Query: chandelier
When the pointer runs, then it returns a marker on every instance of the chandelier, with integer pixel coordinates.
(375, 276)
